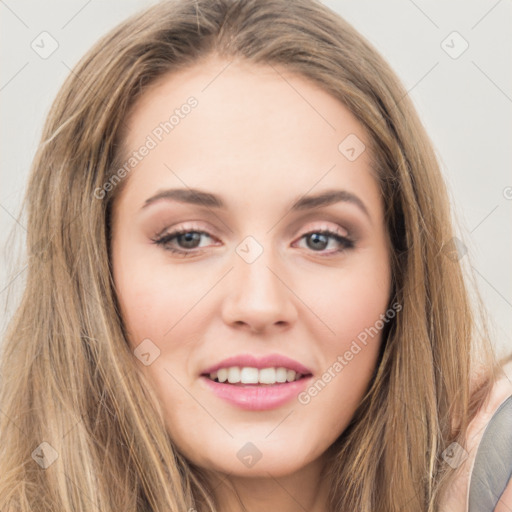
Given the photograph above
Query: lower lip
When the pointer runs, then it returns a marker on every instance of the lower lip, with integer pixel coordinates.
(254, 397)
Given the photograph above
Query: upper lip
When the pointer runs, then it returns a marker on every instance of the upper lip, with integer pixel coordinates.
(268, 361)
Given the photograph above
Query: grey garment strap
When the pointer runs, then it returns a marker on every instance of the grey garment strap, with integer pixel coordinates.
(493, 463)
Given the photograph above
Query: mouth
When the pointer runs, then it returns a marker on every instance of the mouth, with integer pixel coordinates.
(251, 376)
(256, 384)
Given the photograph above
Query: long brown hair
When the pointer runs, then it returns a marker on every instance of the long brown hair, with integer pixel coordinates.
(69, 378)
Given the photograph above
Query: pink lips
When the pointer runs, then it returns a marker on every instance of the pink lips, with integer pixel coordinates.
(254, 397)
(272, 360)
(258, 397)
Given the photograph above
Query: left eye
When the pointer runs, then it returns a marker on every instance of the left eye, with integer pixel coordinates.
(318, 241)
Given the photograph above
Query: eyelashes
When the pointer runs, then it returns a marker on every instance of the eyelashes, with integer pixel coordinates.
(169, 241)
(165, 241)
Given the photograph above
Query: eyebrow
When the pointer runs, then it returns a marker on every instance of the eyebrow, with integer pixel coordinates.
(201, 198)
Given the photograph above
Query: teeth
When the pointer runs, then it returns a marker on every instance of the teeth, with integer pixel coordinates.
(267, 376)
(281, 374)
(249, 375)
(234, 375)
(290, 375)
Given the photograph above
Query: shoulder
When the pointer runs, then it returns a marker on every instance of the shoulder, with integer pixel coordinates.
(484, 465)
(493, 461)
(505, 501)
(491, 484)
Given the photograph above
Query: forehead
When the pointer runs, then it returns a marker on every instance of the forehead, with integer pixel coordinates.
(252, 130)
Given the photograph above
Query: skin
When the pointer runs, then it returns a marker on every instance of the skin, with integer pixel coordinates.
(260, 140)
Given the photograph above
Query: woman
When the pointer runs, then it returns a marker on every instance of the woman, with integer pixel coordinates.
(242, 290)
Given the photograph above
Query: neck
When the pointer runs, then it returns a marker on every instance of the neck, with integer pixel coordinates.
(304, 489)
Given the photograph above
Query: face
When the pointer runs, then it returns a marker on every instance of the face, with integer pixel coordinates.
(251, 263)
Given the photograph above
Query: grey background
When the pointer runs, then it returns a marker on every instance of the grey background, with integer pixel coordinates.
(464, 102)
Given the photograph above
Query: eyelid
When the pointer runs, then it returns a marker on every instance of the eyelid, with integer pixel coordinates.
(323, 226)
(185, 226)
(304, 230)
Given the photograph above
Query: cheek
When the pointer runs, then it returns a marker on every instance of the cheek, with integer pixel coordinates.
(360, 302)
(348, 301)
(161, 305)
(153, 299)
(153, 310)
(353, 306)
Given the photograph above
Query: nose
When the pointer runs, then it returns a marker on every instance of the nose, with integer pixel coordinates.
(258, 297)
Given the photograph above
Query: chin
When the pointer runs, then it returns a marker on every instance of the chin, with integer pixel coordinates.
(268, 464)
(244, 458)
